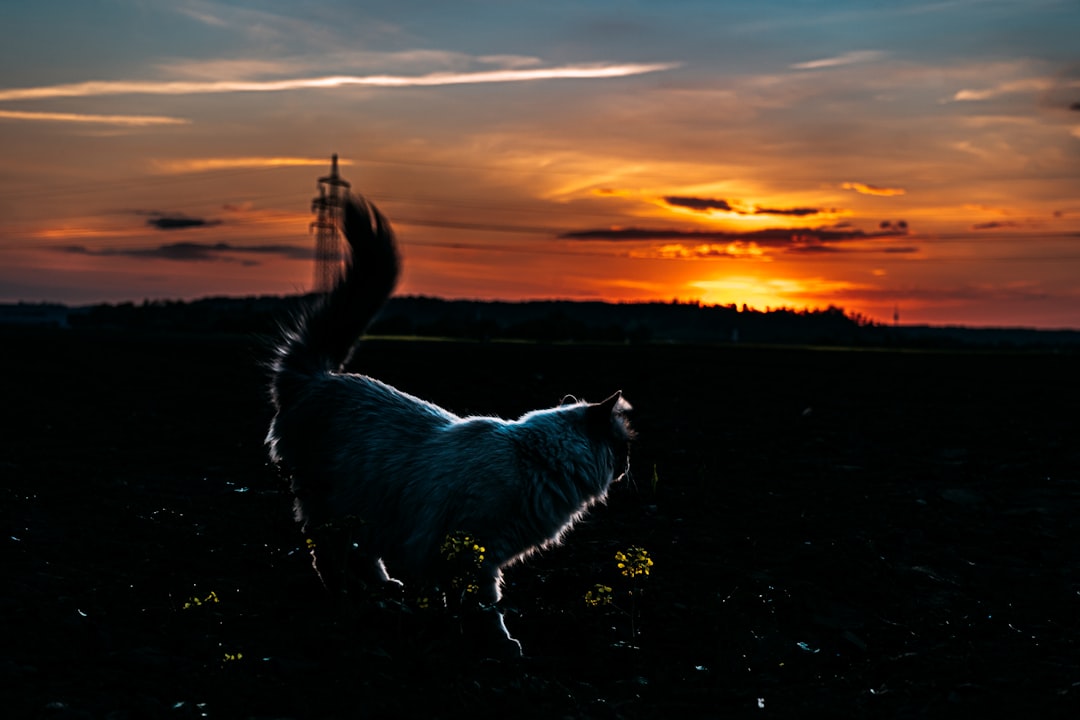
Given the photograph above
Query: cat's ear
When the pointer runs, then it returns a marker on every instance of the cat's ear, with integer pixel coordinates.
(607, 407)
(611, 413)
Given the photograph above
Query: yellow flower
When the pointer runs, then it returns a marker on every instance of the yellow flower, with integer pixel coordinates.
(197, 601)
(634, 561)
(599, 595)
(462, 543)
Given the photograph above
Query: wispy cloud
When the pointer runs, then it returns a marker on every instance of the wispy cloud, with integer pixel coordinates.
(180, 87)
(201, 15)
(849, 58)
(864, 189)
(126, 120)
(236, 163)
(403, 62)
(236, 68)
(1023, 85)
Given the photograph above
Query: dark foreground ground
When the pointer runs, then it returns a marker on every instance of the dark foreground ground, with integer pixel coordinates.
(839, 534)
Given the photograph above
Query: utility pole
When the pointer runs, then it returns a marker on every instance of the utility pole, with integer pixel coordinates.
(329, 257)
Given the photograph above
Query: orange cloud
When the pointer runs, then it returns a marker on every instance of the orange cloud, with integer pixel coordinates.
(676, 251)
(865, 189)
(233, 163)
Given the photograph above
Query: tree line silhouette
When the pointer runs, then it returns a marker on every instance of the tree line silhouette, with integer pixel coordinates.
(543, 321)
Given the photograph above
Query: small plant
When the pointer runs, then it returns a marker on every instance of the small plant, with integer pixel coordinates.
(462, 545)
(600, 595)
(463, 556)
(634, 562)
(197, 601)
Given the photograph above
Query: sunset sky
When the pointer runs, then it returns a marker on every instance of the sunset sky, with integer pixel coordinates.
(878, 156)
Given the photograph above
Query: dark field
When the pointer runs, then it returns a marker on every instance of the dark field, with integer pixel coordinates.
(835, 534)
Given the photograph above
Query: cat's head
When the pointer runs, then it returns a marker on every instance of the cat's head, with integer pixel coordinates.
(594, 435)
(607, 421)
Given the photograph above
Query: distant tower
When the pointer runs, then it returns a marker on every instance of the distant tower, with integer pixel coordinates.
(896, 315)
(327, 206)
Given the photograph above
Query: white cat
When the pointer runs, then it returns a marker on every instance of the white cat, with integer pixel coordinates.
(395, 476)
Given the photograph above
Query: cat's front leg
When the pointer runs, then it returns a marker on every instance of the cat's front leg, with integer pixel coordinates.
(484, 622)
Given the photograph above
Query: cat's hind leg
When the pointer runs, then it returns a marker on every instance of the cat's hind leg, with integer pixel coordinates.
(337, 555)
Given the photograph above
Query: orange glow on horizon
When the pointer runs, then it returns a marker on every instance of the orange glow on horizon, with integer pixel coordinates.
(771, 292)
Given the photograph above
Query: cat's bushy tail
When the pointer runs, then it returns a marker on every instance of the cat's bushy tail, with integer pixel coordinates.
(320, 338)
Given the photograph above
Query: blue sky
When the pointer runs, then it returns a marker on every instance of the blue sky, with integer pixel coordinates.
(915, 155)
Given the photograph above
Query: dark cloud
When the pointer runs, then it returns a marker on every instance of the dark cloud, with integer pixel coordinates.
(163, 220)
(994, 224)
(794, 212)
(167, 222)
(197, 252)
(698, 204)
(768, 236)
(709, 204)
(1075, 106)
